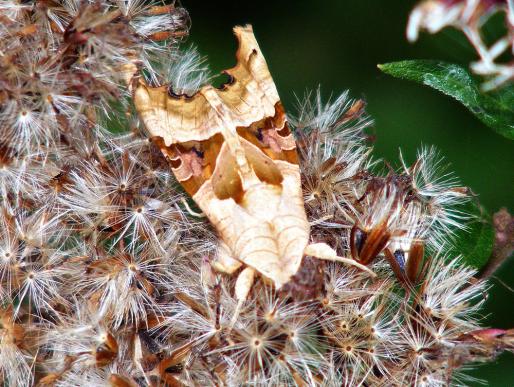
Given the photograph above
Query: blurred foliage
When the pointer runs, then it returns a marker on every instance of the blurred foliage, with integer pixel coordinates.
(475, 244)
(337, 44)
(495, 110)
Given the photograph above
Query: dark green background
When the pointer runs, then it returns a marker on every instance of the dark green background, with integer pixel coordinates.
(337, 44)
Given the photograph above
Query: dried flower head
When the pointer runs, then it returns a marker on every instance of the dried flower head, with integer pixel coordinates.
(105, 263)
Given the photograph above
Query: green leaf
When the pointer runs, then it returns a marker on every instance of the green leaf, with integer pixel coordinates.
(475, 244)
(496, 110)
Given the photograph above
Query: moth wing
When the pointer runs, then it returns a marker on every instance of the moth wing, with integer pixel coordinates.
(175, 119)
(250, 97)
(263, 165)
(226, 181)
(252, 94)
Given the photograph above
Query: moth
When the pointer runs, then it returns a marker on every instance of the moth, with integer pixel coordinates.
(233, 151)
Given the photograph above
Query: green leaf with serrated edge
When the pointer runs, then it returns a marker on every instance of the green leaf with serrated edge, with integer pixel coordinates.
(495, 109)
(475, 244)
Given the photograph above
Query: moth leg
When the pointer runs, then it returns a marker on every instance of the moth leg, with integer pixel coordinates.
(190, 210)
(224, 261)
(244, 284)
(325, 252)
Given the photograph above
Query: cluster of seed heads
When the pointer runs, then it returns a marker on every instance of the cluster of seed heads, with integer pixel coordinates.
(105, 276)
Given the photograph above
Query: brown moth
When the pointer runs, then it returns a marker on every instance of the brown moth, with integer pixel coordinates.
(233, 152)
